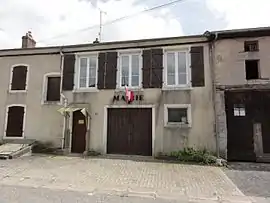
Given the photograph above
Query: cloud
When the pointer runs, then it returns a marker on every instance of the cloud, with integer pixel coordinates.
(242, 13)
(49, 19)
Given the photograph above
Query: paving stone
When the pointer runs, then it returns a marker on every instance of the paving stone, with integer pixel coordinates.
(145, 178)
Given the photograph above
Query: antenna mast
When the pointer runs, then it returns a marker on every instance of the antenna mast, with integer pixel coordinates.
(100, 23)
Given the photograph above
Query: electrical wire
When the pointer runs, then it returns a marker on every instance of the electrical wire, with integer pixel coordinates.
(115, 20)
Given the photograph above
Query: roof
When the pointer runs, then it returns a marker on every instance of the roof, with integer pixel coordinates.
(142, 43)
(238, 33)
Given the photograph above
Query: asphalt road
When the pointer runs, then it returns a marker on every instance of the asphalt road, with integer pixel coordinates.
(10, 194)
(253, 179)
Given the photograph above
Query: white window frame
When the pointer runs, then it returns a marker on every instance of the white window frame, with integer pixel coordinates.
(188, 67)
(11, 77)
(77, 74)
(45, 88)
(119, 68)
(180, 106)
(6, 122)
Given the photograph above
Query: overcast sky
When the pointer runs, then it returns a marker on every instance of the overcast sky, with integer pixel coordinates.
(59, 22)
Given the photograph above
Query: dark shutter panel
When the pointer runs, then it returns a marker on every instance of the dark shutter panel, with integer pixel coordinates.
(15, 121)
(197, 66)
(68, 72)
(101, 70)
(53, 89)
(147, 67)
(111, 70)
(157, 68)
(19, 76)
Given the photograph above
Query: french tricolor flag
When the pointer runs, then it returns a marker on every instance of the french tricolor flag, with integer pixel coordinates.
(129, 95)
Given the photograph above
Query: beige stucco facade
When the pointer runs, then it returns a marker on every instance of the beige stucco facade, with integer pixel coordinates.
(44, 123)
(230, 60)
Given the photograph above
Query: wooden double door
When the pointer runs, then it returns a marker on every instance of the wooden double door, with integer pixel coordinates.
(248, 124)
(129, 131)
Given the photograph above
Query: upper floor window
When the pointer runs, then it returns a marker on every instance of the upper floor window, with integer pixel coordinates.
(53, 88)
(130, 68)
(251, 46)
(19, 78)
(252, 69)
(176, 68)
(88, 66)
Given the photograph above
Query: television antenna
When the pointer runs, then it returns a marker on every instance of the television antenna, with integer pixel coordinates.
(100, 23)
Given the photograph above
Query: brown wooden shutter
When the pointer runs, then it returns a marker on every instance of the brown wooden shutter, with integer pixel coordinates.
(111, 70)
(152, 68)
(157, 68)
(197, 66)
(147, 68)
(68, 72)
(15, 121)
(19, 75)
(53, 89)
(101, 70)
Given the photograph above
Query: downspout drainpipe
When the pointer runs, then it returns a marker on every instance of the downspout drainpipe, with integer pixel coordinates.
(64, 98)
(213, 68)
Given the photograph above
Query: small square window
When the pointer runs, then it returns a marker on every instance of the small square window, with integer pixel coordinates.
(251, 46)
(177, 115)
(239, 110)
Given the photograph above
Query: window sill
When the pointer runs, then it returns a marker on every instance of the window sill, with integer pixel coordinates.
(17, 91)
(166, 88)
(258, 81)
(135, 89)
(177, 125)
(13, 138)
(51, 103)
(86, 90)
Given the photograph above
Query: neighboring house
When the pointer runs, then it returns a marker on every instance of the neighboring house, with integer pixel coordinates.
(242, 81)
(24, 109)
(74, 96)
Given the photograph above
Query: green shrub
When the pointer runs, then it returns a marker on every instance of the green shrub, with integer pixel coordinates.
(192, 155)
(93, 153)
(43, 147)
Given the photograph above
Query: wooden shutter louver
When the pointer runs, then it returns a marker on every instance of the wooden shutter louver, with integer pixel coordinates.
(68, 72)
(101, 70)
(107, 70)
(147, 64)
(15, 121)
(152, 68)
(156, 79)
(111, 70)
(19, 75)
(197, 66)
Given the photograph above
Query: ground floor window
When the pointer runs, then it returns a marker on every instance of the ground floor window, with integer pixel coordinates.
(15, 119)
(177, 115)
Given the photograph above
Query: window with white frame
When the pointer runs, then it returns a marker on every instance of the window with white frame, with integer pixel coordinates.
(176, 64)
(88, 66)
(130, 68)
(177, 114)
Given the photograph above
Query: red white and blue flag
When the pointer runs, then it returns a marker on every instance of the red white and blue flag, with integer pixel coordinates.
(129, 95)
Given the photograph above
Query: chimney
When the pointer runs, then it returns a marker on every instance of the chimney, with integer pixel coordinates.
(28, 41)
(96, 41)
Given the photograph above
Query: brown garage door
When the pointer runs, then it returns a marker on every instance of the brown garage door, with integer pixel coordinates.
(129, 131)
